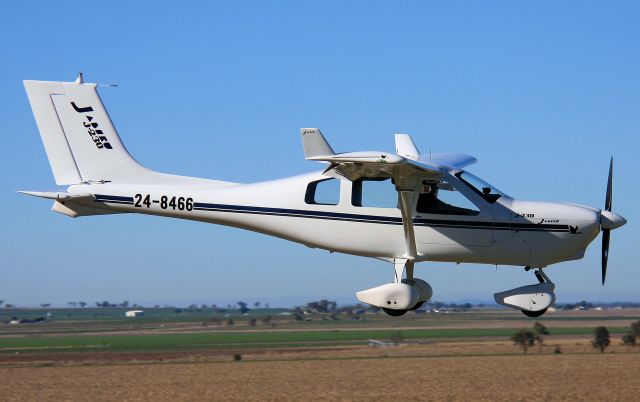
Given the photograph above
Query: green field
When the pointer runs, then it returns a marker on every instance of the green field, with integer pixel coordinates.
(163, 330)
(244, 339)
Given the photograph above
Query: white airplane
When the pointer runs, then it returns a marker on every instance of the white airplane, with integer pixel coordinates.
(437, 211)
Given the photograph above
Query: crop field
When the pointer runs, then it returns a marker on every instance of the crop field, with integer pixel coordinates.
(100, 355)
(246, 339)
(589, 377)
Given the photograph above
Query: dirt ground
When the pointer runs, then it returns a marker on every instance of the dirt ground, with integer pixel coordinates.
(448, 371)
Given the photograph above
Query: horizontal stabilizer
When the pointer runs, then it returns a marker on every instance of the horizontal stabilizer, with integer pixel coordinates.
(61, 196)
(81, 209)
(73, 205)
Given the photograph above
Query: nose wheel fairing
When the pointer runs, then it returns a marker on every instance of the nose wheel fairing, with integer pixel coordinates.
(532, 300)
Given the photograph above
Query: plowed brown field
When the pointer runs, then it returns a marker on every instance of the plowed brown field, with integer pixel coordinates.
(584, 377)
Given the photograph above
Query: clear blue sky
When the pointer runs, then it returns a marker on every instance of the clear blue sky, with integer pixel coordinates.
(542, 93)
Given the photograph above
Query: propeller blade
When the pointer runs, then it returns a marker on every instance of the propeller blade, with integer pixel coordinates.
(606, 235)
(608, 200)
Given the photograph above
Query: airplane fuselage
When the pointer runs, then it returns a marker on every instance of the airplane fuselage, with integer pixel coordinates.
(506, 232)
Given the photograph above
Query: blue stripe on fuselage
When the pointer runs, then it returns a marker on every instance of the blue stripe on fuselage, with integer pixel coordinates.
(388, 220)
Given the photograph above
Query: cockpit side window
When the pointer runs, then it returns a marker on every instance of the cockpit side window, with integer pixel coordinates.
(443, 199)
(374, 192)
(481, 187)
(323, 192)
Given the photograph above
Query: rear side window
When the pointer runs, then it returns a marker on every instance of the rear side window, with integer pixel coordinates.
(323, 192)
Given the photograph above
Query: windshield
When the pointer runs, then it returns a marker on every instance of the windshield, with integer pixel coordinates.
(486, 190)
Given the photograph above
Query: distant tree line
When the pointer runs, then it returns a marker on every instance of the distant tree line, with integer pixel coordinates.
(124, 304)
(526, 338)
(242, 306)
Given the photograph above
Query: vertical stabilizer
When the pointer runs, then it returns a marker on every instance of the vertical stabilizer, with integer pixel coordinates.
(80, 140)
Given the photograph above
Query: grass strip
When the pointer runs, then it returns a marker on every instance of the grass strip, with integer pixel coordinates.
(244, 339)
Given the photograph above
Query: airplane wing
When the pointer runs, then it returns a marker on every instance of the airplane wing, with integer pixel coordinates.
(354, 165)
(405, 167)
(405, 147)
(405, 163)
(451, 161)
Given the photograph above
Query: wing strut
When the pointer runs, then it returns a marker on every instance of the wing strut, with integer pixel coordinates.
(406, 208)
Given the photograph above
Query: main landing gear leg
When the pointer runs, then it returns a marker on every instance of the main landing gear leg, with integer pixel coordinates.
(400, 265)
(409, 280)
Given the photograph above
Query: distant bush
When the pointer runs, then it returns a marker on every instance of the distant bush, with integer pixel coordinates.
(524, 338)
(601, 339)
(629, 340)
